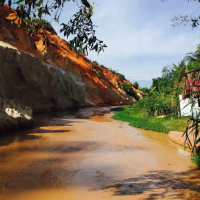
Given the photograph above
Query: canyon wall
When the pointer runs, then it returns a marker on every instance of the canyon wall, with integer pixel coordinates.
(45, 79)
(39, 86)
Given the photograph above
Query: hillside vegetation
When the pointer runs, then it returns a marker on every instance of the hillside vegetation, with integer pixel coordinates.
(159, 110)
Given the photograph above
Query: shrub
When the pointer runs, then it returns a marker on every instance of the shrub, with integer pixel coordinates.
(144, 89)
(136, 85)
(112, 71)
(121, 77)
(193, 65)
(98, 74)
(196, 159)
(129, 90)
(95, 64)
(103, 66)
(126, 87)
(158, 105)
(47, 25)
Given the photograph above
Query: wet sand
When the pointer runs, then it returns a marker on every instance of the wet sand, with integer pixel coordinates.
(82, 156)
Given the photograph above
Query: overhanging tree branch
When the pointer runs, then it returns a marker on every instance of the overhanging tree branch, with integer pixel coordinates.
(32, 13)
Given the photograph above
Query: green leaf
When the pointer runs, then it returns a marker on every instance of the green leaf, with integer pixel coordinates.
(19, 1)
(39, 3)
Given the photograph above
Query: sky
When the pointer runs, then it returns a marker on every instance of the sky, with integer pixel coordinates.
(139, 35)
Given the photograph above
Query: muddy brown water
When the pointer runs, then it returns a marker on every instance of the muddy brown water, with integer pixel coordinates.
(85, 155)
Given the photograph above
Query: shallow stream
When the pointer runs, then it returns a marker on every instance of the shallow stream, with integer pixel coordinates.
(85, 155)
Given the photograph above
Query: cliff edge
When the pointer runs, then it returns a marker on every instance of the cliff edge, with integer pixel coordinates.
(45, 79)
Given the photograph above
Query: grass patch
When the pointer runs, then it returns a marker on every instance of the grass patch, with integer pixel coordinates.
(196, 160)
(136, 117)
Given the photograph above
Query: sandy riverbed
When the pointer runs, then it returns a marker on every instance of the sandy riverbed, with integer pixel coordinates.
(76, 156)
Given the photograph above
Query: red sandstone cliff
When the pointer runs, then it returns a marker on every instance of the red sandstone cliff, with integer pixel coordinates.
(58, 55)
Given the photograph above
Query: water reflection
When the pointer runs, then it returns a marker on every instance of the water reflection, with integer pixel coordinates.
(77, 156)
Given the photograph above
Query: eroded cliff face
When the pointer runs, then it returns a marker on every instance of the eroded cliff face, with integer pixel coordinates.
(42, 87)
(51, 78)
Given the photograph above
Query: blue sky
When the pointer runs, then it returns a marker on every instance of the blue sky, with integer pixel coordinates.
(139, 35)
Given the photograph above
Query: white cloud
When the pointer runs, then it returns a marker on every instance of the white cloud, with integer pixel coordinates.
(139, 34)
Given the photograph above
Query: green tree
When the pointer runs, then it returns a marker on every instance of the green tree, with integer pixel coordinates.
(193, 56)
(170, 79)
(121, 77)
(99, 75)
(129, 90)
(112, 71)
(136, 85)
(163, 95)
(144, 89)
(95, 64)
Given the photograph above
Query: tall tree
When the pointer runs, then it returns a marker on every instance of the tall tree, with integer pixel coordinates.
(193, 56)
(136, 84)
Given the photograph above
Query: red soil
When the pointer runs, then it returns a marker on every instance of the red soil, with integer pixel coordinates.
(60, 55)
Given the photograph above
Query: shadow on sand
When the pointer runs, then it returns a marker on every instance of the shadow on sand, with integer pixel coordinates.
(158, 185)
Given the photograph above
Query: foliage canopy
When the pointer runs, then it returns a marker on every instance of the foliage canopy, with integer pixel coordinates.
(129, 90)
(162, 98)
(136, 84)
